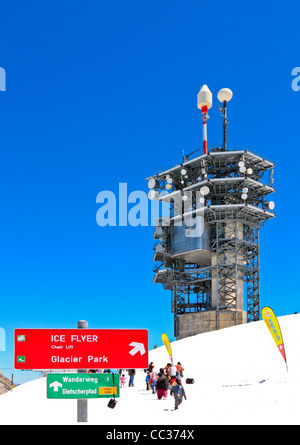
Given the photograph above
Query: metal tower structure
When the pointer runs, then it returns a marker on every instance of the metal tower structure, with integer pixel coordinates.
(207, 246)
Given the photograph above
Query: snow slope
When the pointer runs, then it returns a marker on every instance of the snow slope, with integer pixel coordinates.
(240, 378)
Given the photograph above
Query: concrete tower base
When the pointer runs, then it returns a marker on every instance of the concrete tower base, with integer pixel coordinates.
(201, 322)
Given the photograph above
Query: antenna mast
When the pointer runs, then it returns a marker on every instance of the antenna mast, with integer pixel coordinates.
(204, 102)
(224, 96)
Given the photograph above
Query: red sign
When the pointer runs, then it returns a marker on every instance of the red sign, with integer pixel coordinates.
(81, 348)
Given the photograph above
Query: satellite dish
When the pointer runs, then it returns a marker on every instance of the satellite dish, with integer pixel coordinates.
(168, 186)
(183, 172)
(271, 205)
(225, 95)
(245, 190)
(159, 248)
(244, 196)
(152, 183)
(241, 164)
(185, 197)
(204, 190)
(169, 180)
(153, 194)
(250, 171)
(242, 169)
(159, 231)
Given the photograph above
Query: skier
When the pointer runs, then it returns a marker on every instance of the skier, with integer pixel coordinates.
(178, 391)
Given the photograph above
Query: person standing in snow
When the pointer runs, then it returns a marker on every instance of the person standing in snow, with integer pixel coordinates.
(162, 385)
(166, 369)
(123, 380)
(179, 370)
(178, 391)
(148, 386)
(150, 367)
(153, 378)
(131, 373)
(172, 371)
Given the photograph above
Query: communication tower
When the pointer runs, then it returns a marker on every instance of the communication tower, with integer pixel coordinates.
(206, 249)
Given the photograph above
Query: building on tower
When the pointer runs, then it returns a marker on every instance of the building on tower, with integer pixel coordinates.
(206, 250)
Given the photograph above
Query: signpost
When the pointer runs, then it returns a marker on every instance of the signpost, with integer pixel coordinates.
(82, 405)
(81, 348)
(82, 386)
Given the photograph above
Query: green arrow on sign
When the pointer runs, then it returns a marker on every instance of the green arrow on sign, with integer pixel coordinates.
(82, 386)
(55, 385)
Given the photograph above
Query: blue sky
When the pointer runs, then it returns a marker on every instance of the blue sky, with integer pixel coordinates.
(100, 93)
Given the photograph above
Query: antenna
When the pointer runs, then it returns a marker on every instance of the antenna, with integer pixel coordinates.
(204, 102)
(224, 96)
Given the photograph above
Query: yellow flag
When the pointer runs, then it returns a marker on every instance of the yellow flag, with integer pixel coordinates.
(272, 323)
(167, 344)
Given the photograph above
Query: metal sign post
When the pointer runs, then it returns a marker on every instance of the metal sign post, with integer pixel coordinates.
(82, 404)
(81, 350)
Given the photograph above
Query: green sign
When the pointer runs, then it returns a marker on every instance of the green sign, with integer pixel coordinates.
(82, 386)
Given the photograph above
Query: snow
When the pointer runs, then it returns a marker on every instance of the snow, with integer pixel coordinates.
(240, 378)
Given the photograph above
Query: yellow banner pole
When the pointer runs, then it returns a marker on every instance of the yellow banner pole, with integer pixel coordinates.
(167, 344)
(272, 324)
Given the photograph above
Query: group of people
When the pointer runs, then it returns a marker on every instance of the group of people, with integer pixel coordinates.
(169, 377)
(131, 373)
